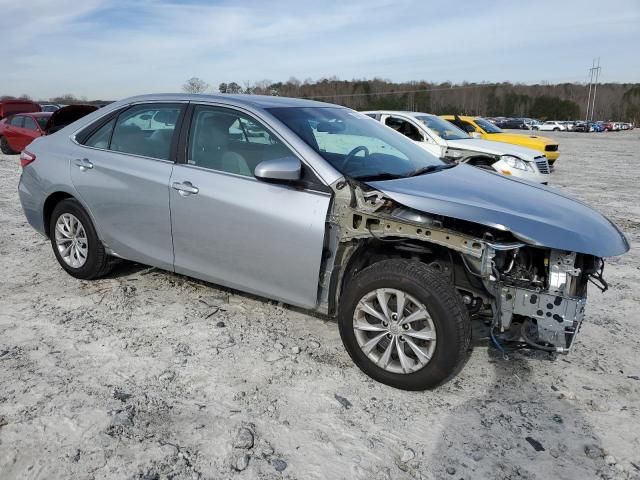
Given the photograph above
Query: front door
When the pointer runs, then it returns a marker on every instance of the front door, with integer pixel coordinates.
(408, 129)
(30, 131)
(12, 131)
(232, 229)
(123, 178)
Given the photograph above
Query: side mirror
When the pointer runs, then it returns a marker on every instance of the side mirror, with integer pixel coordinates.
(285, 169)
(475, 135)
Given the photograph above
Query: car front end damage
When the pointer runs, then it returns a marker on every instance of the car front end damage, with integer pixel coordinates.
(531, 295)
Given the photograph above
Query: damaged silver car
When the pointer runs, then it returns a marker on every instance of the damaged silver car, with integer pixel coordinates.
(324, 208)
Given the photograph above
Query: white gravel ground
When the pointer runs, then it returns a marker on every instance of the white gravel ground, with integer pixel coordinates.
(150, 375)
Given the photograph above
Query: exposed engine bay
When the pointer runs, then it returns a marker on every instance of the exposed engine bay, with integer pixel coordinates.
(530, 296)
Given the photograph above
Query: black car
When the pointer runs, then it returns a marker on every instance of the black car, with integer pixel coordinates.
(581, 127)
(514, 123)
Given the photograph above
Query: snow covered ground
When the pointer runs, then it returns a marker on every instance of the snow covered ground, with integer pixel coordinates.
(151, 375)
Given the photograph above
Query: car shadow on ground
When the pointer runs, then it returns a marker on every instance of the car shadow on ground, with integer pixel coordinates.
(525, 425)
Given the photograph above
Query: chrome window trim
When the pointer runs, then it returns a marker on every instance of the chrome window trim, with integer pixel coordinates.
(126, 153)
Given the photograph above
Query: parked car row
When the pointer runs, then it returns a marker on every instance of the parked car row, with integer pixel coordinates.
(330, 210)
(446, 140)
(17, 130)
(559, 125)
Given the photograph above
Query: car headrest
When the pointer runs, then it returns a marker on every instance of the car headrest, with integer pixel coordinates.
(168, 117)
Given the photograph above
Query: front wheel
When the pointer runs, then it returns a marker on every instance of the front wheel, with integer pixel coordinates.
(75, 242)
(404, 324)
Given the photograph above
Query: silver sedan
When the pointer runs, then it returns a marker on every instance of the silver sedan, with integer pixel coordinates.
(324, 208)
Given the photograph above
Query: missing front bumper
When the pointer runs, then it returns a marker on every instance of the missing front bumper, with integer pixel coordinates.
(557, 318)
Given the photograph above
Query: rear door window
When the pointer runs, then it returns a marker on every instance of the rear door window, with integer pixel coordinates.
(101, 137)
(146, 130)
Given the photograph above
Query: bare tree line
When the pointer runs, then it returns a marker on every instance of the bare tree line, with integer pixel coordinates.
(565, 101)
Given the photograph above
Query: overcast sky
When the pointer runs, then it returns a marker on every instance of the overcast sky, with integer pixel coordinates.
(111, 49)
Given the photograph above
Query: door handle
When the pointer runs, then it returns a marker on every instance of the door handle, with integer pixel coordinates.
(83, 164)
(185, 188)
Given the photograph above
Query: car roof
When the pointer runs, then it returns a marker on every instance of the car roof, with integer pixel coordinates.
(400, 112)
(255, 101)
(16, 101)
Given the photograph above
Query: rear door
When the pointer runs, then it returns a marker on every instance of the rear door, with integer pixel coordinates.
(235, 230)
(122, 171)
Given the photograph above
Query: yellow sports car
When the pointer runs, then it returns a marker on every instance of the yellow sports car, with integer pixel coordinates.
(489, 131)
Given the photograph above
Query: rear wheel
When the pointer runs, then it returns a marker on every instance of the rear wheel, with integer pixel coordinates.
(556, 129)
(404, 325)
(5, 148)
(75, 242)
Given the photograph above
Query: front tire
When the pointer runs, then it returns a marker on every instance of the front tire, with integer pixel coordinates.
(75, 242)
(404, 325)
(5, 148)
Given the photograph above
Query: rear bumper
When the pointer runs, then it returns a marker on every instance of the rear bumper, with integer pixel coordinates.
(31, 201)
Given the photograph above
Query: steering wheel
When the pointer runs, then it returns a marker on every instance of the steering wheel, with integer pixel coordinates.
(353, 153)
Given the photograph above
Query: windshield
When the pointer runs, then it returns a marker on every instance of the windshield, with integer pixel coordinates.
(442, 128)
(487, 126)
(357, 145)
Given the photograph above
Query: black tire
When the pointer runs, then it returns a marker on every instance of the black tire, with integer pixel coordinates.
(5, 148)
(97, 263)
(556, 129)
(448, 313)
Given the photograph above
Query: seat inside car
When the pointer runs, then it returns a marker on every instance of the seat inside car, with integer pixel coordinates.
(211, 146)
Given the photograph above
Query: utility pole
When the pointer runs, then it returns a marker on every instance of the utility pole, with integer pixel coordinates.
(595, 88)
(591, 70)
(594, 74)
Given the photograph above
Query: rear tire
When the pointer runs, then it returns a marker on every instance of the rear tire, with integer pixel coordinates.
(422, 288)
(75, 242)
(5, 148)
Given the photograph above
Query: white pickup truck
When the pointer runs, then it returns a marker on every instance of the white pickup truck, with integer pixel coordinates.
(445, 140)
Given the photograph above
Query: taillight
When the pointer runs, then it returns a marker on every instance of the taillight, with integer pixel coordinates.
(26, 158)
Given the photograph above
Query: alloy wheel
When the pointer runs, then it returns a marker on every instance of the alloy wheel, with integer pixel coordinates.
(71, 240)
(394, 330)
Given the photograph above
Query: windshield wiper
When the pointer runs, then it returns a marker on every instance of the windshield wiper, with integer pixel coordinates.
(378, 176)
(430, 169)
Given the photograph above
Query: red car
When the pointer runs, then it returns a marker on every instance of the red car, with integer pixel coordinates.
(18, 131)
